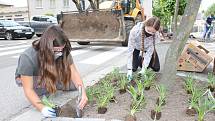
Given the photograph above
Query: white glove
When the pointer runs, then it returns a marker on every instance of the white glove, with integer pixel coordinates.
(48, 112)
(143, 70)
(129, 75)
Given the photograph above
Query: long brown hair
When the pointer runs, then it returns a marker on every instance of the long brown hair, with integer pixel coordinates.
(52, 70)
(152, 22)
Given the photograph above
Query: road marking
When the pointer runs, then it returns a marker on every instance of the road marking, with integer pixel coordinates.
(14, 47)
(105, 56)
(12, 52)
(22, 42)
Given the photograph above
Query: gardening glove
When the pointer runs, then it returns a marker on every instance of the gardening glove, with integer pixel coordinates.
(129, 75)
(48, 112)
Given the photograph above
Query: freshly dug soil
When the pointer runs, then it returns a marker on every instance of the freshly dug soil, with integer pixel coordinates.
(158, 115)
(122, 91)
(174, 110)
(191, 112)
(147, 88)
(211, 88)
(102, 110)
(130, 118)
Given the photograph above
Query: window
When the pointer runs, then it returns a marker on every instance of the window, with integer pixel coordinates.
(18, 19)
(39, 3)
(66, 3)
(9, 16)
(1, 16)
(52, 4)
(18, 15)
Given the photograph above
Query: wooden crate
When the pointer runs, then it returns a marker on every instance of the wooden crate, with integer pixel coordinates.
(194, 58)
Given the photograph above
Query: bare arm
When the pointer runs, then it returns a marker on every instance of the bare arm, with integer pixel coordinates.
(27, 82)
(78, 82)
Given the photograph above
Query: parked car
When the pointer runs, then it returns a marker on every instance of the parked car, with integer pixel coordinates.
(43, 18)
(10, 29)
(39, 27)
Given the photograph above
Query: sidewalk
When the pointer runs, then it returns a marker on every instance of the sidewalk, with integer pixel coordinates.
(61, 98)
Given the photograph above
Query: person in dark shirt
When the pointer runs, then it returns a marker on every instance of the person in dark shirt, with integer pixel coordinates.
(208, 27)
(47, 66)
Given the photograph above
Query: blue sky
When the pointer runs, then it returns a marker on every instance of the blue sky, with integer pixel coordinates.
(205, 3)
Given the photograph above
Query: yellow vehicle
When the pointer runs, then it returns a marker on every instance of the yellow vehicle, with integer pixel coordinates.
(107, 21)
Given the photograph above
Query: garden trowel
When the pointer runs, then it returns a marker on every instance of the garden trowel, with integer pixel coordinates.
(78, 110)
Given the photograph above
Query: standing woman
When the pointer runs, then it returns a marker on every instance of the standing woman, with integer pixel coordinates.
(141, 46)
(46, 67)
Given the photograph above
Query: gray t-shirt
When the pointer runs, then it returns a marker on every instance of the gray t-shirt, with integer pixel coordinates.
(28, 66)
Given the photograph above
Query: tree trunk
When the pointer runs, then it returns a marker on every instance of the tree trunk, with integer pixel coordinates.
(179, 40)
(176, 16)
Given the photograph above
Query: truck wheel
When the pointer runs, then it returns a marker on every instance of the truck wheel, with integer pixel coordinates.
(128, 26)
(83, 43)
(8, 36)
(39, 35)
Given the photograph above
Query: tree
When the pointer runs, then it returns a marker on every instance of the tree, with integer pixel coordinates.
(164, 9)
(176, 15)
(180, 38)
(210, 10)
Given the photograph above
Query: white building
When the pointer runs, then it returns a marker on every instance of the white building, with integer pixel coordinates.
(14, 13)
(54, 7)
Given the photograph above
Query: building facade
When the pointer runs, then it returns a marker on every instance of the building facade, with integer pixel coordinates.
(51, 7)
(14, 13)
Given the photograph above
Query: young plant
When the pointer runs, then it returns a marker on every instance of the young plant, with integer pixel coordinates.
(133, 93)
(149, 77)
(48, 103)
(123, 82)
(204, 106)
(189, 84)
(196, 95)
(90, 94)
(114, 75)
(211, 81)
(162, 94)
(102, 101)
(156, 113)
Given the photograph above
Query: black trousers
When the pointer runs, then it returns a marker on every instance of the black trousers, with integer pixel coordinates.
(137, 61)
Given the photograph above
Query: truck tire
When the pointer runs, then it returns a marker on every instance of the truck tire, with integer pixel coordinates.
(83, 43)
(128, 26)
(29, 37)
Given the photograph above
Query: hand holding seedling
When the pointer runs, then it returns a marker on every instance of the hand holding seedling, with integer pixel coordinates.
(48, 112)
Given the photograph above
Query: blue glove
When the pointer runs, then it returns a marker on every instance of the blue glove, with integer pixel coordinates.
(129, 75)
(48, 112)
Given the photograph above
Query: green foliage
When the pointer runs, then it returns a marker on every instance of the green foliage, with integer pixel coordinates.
(189, 83)
(47, 102)
(164, 9)
(138, 105)
(123, 81)
(204, 106)
(149, 77)
(162, 93)
(158, 107)
(196, 95)
(49, 14)
(210, 10)
(211, 80)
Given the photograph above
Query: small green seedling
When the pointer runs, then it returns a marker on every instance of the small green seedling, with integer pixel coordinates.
(189, 82)
(162, 93)
(211, 81)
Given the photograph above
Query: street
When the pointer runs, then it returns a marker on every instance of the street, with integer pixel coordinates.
(89, 60)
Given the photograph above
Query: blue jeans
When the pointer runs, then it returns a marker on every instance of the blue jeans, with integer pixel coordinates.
(207, 32)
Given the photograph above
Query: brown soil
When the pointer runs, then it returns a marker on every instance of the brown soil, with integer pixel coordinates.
(130, 118)
(147, 88)
(57, 110)
(113, 99)
(102, 110)
(157, 114)
(133, 83)
(211, 88)
(174, 110)
(191, 112)
(189, 92)
(122, 91)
